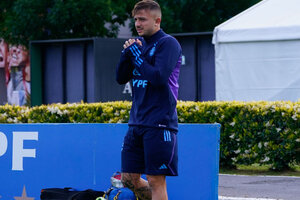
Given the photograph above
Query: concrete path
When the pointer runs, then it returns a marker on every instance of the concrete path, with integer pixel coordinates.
(237, 187)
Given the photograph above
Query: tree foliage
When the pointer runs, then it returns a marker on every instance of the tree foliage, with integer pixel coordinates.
(199, 15)
(25, 20)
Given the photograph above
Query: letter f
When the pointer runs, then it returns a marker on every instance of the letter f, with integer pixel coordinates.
(18, 152)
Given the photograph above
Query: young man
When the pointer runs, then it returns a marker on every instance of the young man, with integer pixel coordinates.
(152, 63)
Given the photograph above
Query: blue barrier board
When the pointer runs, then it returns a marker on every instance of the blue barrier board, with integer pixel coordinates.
(84, 156)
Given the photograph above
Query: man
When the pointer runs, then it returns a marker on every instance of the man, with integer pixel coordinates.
(152, 64)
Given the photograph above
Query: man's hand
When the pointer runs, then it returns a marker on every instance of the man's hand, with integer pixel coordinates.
(133, 49)
(131, 41)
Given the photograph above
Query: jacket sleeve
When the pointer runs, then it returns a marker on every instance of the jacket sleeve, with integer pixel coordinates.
(124, 69)
(166, 57)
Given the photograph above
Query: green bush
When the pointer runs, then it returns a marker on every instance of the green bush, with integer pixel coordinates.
(13, 114)
(252, 132)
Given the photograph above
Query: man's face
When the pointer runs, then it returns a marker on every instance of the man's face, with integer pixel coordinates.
(3, 53)
(17, 56)
(146, 23)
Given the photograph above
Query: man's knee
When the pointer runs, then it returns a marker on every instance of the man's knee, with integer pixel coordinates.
(156, 181)
(130, 180)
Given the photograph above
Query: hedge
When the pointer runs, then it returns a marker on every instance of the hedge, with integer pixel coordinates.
(252, 132)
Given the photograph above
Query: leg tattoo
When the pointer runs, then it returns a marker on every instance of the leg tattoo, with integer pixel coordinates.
(128, 184)
(139, 186)
(144, 193)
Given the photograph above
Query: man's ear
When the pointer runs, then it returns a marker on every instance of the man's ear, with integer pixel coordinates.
(157, 21)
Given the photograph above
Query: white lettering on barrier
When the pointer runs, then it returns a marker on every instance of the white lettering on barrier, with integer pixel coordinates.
(3, 144)
(19, 152)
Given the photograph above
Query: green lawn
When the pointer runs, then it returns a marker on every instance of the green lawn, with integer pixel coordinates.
(255, 169)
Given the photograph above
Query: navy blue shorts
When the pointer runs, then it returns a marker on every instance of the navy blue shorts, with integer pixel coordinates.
(151, 151)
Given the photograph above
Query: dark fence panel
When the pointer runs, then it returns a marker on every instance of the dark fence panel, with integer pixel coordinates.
(108, 53)
(75, 73)
(77, 70)
(53, 90)
(90, 73)
(188, 70)
(197, 76)
(206, 69)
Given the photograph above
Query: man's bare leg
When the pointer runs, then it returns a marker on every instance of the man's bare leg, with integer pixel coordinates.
(158, 187)
(153, 189)
(138, 185)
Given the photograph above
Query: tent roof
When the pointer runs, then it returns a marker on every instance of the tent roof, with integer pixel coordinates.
(267, 20)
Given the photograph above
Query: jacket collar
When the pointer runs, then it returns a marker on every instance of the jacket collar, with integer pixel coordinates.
(155, 36)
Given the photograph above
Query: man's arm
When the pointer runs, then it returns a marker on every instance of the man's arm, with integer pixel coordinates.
(166, 57)
(125, 66)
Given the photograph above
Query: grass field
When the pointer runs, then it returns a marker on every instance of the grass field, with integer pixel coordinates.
(255, 169)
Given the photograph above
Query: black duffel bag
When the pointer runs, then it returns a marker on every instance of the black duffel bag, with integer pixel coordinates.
(69, 194)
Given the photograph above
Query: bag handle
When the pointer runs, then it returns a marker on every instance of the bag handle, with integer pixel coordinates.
(117, 195)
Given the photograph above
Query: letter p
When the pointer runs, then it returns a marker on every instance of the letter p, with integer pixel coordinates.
(3, 144)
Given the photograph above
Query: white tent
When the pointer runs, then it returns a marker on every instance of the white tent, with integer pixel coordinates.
(257, 53)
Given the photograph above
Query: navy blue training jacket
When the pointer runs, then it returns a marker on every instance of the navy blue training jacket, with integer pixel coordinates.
(153, 69)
